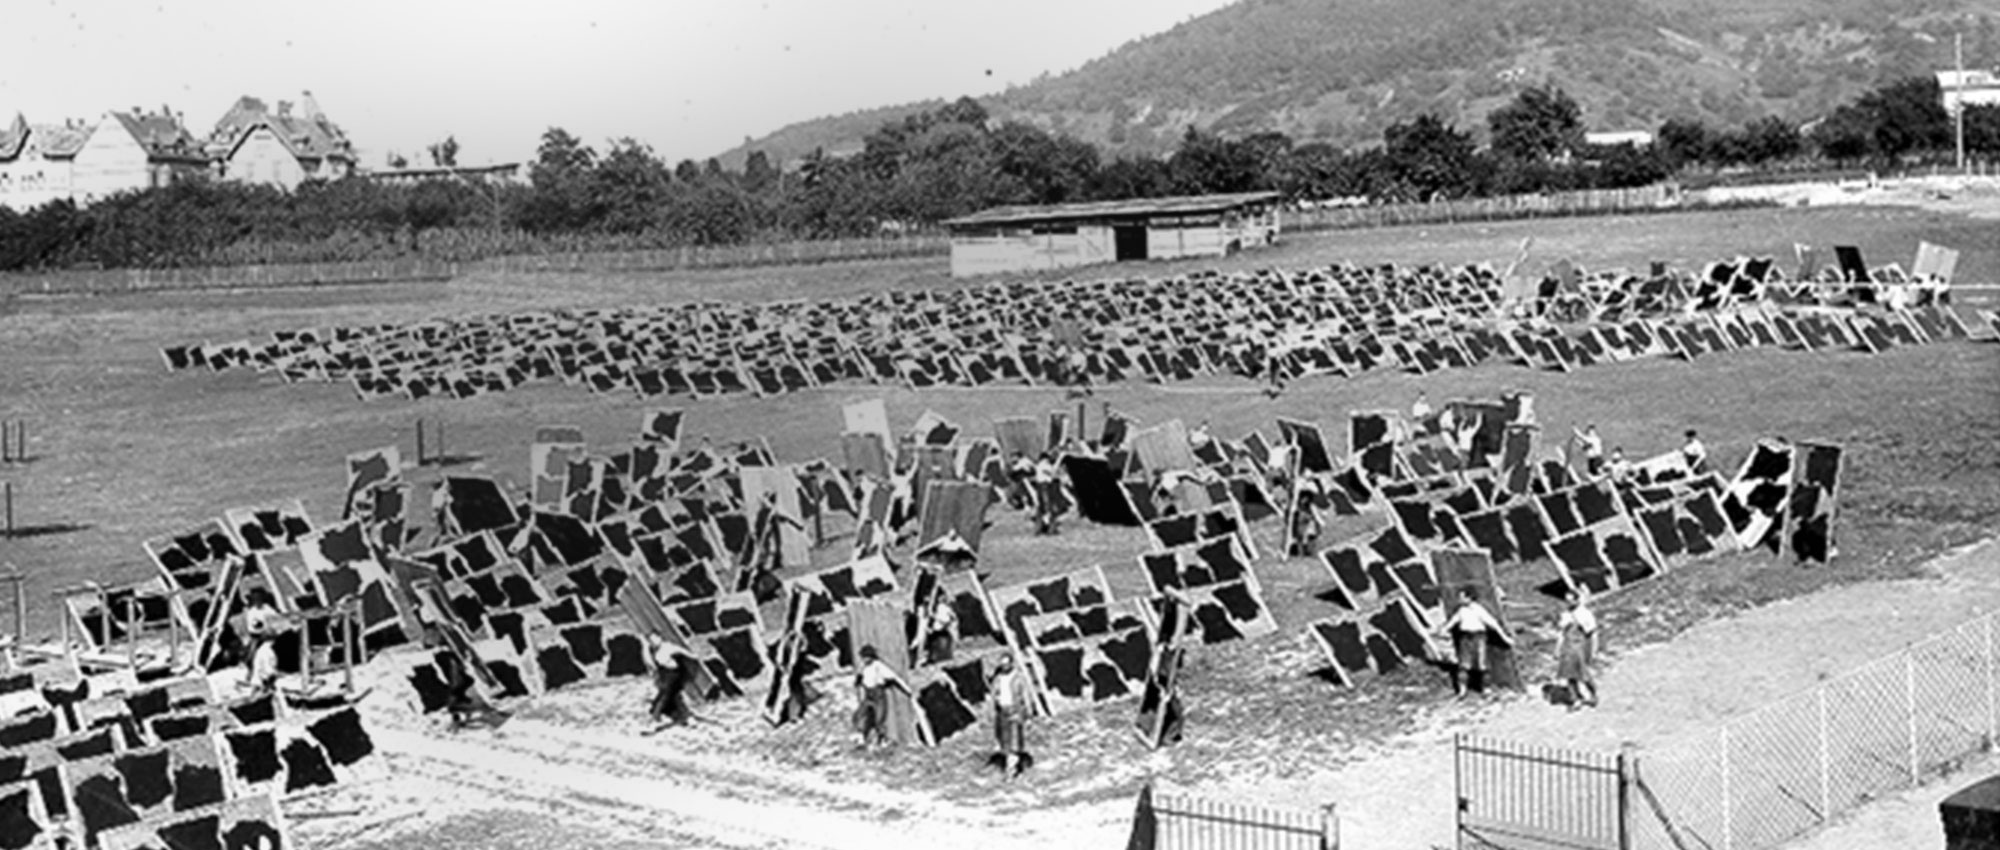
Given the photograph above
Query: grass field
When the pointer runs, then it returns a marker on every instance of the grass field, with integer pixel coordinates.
(122, 450)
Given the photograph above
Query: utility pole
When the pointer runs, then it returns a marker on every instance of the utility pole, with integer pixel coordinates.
(1958, 47)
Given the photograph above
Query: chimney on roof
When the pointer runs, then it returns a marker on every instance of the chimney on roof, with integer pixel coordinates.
(309, 107)
(284, 109)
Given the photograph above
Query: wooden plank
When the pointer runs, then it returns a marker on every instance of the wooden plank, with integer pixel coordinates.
(880, 624)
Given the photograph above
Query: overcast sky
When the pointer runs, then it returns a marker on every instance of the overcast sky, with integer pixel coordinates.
(691, 78)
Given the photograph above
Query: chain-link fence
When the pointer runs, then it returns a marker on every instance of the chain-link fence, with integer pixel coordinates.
(1787, 768)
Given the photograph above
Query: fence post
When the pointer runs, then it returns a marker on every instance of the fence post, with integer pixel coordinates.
(1825, 762)
(1625, 766)
(1992, 720)
(1728, 829)
(1910, 703)
(1329, 828)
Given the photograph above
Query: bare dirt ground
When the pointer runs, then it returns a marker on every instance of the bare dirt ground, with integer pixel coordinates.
(124, 451)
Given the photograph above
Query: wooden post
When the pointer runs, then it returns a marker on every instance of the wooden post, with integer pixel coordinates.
(442, 452)
(131, 630)
(1626, 759)
(7, 488)
(352, 630)
(20, 608)
(420, 442)
(1329, 828)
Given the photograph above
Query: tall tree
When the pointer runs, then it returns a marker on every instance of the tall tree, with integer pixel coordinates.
(445, 154)
(758, 175)
(1430, 158)
(1540, 123)
(628, 188)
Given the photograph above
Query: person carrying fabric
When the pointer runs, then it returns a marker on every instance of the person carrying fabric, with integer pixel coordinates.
(1471, 628)
(672, 670)
(874, 681)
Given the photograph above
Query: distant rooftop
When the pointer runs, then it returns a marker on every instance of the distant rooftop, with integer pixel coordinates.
(1177, 205)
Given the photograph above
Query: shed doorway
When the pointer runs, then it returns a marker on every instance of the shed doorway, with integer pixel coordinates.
(1128, 242)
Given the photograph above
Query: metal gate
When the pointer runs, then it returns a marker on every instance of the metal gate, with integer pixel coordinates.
(1514, 796)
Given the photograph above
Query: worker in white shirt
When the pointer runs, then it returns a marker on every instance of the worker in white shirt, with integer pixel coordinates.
(1593, 449)
(1046, 505)
(941, 631)
(1420, 410)
(1471, 627)
(261, 672)
(1694, 454)
(874, 680)
(1012, 703)
(1576, 648)
(1618, 469)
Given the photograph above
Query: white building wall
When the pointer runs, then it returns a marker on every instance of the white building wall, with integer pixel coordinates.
(110, 162)
(263, 158)
(1022, 250)
(31, 181)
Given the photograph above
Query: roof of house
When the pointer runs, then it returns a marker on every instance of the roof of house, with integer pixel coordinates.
(1178, 205)
(161, 135)
(13, 138)
(307, 135)
(50, 141)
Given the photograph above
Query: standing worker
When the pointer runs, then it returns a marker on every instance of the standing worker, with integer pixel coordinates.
(874, 681)
(1576, 648)
(1694, 454)
(1013, 699)
(672, 669)
(940, 631)
(1046, 504)
(1593, 449)
(1470, 628)
(260, 674)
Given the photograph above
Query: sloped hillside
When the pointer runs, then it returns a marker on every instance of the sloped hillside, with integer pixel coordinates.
(1342, 70)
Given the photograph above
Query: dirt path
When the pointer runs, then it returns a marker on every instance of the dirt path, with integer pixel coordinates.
(1401, 796)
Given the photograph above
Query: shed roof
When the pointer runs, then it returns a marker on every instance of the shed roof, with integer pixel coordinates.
(1177, 205)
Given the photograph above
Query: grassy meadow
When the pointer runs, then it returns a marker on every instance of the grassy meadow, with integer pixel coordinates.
(122, 450)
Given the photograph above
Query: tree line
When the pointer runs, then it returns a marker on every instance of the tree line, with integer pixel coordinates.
(913, 173)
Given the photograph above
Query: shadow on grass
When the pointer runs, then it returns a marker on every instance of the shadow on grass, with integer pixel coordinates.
(446, 461)
(47, 530)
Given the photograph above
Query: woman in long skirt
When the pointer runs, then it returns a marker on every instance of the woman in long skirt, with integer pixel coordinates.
(1576, 647)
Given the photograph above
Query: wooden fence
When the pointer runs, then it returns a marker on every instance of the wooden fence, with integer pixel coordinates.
(1175, 820)
(106, 281)
(799, 252)
(1554, 204)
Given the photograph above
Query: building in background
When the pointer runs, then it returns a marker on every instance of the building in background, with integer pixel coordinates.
(253, 143)
(1971, 88)
(504, 172)
(35, 162)
(1029, 238)
(82, 162)
(133, 151)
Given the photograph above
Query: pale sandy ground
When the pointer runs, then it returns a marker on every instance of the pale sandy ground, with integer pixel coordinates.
(607, 787)
(1663, 695)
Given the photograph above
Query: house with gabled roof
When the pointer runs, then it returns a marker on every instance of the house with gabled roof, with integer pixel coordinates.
(133, 151)
(35, 161)
(253, 143)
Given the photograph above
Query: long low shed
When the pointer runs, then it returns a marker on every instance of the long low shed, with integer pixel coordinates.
(1027, 238)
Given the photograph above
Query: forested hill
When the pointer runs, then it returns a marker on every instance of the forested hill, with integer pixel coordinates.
(1343, 70)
